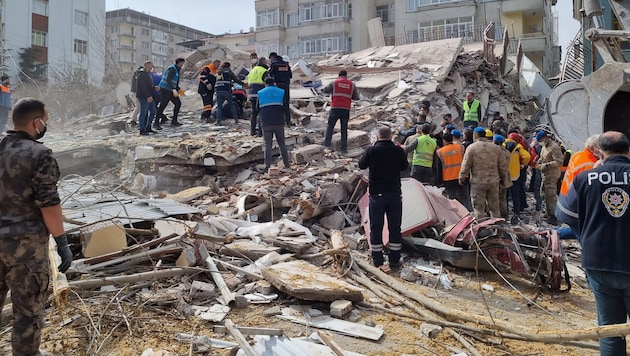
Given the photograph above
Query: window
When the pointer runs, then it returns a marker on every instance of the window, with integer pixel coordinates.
(40, 7)
(458, 27)
(171, 50)
(324, 43)
(160, 48)
(39, 38)
(80, 46)
(292, 19)
(323, 10)
(269, 17)
(80, 18)
(113, 29)
(267, 46)
(145, 44)
(158, 61)
(412, 5)
(159, 36)
(383, 13)
(145, 57)
(145, 32)
(115, 43)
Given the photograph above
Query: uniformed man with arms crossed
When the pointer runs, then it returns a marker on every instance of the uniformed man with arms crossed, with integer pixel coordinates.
(385, 161)
(482, 166)
(30, 210)
(596, 207)
(549, 165)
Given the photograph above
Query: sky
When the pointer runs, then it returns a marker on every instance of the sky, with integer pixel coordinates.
(223, 16)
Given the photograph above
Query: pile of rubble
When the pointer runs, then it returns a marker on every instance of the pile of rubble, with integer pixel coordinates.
(179, 232)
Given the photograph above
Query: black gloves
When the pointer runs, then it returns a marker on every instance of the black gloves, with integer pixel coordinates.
(64, 252)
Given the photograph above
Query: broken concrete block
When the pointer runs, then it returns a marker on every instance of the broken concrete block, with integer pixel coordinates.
(306, 154)
(273, 311)
(200, 289)
(303, 280)
(334, 221)
(340, 308)
(356, 139)
(189, 194)
(264, 287)
(104, 238)
(361, 122)
(430, 330)
(241, 301)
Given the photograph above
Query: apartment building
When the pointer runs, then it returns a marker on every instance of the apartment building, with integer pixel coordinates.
(134, 37)
(66, 37)
(312, 29)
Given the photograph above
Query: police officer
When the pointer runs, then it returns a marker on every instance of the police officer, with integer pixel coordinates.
(256, 81)
(549, 165)
(596, 206)
(281, 73)
(343, 92)
(207, 81)
(270, 108)
(30, 210)
(223, 89)
(482, 167)
(169, 91)
(385, 161)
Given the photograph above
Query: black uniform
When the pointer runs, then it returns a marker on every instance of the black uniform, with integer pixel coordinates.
(281, 73)
(385, 161)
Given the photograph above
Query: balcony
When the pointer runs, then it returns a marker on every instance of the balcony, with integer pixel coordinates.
(127, 34)
(126, 46)
(521, 5)
(533, 42)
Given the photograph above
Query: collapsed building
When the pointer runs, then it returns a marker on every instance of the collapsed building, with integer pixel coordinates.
(187, 220)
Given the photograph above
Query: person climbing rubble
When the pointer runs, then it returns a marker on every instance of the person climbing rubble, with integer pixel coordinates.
(207, 82)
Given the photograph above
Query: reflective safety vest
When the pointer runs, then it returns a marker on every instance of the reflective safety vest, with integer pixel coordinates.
(5, 96)
(451, 157)
(580, 161)
(342, 93)
(224, 82)
(423, 154)
(470, 112)
(255, 80)
(174, 81)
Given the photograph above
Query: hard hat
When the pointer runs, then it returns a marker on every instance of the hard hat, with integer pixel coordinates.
(488, 133)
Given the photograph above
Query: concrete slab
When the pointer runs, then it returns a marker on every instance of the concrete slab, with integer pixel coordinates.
(305, 281)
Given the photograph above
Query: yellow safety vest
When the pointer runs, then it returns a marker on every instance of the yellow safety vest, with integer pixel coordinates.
(470, 112)
(423, 154)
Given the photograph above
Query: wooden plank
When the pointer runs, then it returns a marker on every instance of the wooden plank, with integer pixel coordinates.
(338, 325)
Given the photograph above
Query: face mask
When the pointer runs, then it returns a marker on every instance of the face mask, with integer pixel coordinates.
(41, 133)
(254, 61)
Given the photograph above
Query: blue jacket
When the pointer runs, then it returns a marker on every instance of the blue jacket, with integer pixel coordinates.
(596, 208)
(157, 78)
(170, 78)
(271, 111)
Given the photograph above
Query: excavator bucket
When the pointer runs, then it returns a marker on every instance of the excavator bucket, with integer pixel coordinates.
(599, 102)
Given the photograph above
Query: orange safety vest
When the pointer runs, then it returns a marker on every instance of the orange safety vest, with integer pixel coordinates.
(451, 157)
(580, 161)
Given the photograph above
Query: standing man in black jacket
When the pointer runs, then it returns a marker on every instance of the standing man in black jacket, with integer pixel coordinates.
(280, 71)
(385, 161)
(596, 206)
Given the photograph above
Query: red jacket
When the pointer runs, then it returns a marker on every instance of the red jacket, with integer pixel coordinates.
(342, 92)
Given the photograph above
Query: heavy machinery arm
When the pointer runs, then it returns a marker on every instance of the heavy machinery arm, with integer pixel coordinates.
(577, 109)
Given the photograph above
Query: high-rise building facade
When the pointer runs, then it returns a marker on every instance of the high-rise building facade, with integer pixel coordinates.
(311, 28)
(134, 37)
(63, 37)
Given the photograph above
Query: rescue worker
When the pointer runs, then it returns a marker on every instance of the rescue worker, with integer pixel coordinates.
(457, 137)
(498, 124)
(144, 94)
(567, 153)
(404, 135)
(423, 149)
(580, 161)
(515, 136)
(30, 210)
(343, 92)
(253, 58)
(170, 91)
(281, 73)
(136, 103)
(449, 164)
(255, 82)
(504, 164)
(596, 206)
(223, 89)
(385, 162)
(5, 101)
(407, 141)
(549, 165)
(468, 137)
(157, 78)
(472, 110)
(481, 166)
(270, 101)
(207, 82)
(519, 159)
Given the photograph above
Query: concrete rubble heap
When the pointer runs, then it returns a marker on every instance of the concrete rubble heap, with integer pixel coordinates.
(181, 232)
